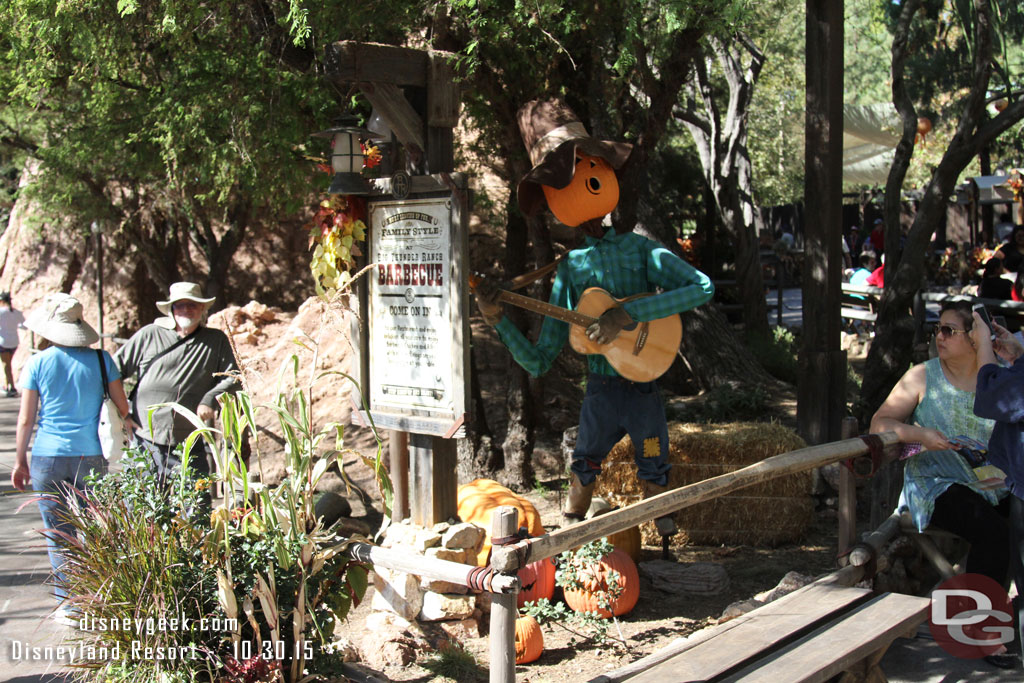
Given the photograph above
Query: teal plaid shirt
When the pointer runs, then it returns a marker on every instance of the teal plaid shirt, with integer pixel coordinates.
(623, 265)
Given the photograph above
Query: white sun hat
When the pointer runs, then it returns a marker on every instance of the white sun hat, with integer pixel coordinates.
(59, 319)
(181, 291)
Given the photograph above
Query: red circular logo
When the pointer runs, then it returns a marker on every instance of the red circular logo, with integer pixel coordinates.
(971, 616)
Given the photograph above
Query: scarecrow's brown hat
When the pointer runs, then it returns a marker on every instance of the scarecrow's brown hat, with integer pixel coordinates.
(552, 133)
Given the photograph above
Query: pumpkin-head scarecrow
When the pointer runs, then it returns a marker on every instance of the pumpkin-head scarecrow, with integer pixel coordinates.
(610, 284)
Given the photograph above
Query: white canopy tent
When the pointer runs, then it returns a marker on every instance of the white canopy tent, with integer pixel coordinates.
(870, 135)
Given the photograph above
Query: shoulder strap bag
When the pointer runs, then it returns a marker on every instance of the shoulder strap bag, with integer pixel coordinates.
(111, 428)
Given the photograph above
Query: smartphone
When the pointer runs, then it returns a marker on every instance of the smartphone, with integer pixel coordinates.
(980, 310)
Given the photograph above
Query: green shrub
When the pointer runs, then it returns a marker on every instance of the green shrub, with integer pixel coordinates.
(777, 354)
(256, 582)
(724, 403)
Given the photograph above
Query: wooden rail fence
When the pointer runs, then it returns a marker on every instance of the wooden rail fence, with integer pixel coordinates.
(500, 578)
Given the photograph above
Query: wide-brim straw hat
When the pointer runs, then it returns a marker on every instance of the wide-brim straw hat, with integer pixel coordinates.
(552, 133)
(182, 291)
(59, 319)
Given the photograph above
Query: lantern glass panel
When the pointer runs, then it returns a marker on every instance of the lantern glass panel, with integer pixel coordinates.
(347, 156)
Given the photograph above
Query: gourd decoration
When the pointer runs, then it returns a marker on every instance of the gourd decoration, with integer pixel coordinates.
(593, 192)
(628, 541)
(477, 499)
(595, 580)
(537, 580)
(529, 640)
(924, 126)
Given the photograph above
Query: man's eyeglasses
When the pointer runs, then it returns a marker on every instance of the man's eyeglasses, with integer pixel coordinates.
(948, 331)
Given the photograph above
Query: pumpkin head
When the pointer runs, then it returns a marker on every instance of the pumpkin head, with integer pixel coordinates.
(592, 193)
(529, 640)
(537, 580)
(584, 600)
(477, 499)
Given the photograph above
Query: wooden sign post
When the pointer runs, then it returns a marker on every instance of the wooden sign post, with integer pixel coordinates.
(412, 331)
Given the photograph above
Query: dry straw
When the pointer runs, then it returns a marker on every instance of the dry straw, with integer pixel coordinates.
(773, 512)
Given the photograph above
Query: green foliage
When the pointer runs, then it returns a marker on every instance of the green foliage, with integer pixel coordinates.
(138, 561)
(725, 403)
(777, 354)
(260, 562)
(578, 570)
(453, 662)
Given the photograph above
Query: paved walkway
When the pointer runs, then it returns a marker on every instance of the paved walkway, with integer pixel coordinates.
(25, 601)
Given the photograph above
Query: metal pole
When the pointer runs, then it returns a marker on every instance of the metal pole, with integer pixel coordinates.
(99, 278)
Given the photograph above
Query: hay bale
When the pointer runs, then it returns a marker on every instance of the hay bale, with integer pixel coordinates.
(768, 513)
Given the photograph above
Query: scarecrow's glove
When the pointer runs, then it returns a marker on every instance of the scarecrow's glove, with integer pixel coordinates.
(608, 326)
(487, 293)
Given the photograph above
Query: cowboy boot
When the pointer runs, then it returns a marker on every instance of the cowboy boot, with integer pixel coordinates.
(666, 525)
(579, 500)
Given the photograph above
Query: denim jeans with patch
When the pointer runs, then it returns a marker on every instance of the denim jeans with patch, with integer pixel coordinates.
(57, 476)
(612, 408)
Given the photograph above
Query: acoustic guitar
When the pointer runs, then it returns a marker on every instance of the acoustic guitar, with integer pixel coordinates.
(642, 352)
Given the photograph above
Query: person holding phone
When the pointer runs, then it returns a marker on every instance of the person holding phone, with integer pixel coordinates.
(932, 403)
(999, 396)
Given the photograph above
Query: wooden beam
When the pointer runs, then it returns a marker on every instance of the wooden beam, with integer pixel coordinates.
(822, 380)
(428, 567)
(442, 91)
(506, 558)
(348, 61)
(504, 523)
(389, 101)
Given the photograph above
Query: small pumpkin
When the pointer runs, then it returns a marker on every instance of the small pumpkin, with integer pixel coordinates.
(592, 193)
(596, 580)
(529, 640)
(477, 499)
(537, 580)
(628, 541)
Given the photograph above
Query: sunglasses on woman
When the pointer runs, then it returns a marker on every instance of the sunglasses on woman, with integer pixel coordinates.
(948, 331)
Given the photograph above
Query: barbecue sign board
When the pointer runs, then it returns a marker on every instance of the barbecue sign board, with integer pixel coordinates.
(415, 328)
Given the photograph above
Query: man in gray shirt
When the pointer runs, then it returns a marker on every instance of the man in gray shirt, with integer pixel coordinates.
(177, 359)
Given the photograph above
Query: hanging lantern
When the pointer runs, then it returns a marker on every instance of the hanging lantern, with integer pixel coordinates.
(347, 156)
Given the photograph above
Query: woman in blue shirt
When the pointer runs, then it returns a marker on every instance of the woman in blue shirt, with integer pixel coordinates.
(62, 386)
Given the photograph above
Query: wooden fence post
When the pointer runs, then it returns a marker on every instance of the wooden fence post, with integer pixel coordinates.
(504, 523)
(847, 494)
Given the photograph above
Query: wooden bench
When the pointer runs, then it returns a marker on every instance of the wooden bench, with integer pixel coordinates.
(812, 634)
(859, 302)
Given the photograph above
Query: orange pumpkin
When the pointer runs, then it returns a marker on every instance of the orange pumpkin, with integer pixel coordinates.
(477, 499)
(593, 192)
(529, 640)
(628, 541)
(586, 601)
(537, 580)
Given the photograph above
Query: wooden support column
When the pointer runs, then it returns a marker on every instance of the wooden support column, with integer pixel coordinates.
(847, 495)
(398, 457)
(504, 523)
(432, 479)
(821, 389)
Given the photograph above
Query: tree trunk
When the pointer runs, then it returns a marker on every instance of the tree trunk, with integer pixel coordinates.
(715, 356)
(722, 146)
